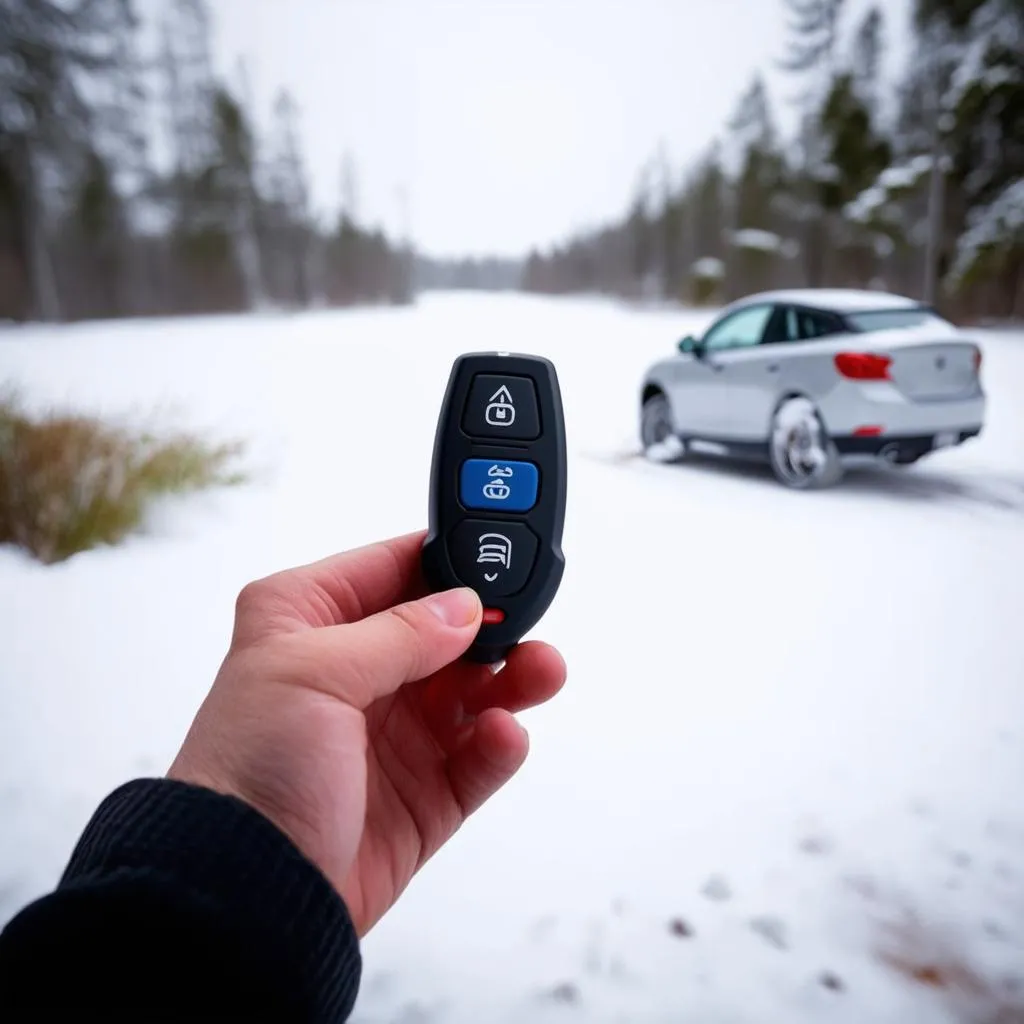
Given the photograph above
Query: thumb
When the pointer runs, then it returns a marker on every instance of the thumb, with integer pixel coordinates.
(373, 657)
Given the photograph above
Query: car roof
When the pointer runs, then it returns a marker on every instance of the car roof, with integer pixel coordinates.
(839, 300)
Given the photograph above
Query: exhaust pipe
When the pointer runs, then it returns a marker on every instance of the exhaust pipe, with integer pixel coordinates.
(890, 453)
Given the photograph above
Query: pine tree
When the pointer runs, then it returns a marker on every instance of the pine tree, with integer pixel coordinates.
(985, 107)
(867, 58)
(813, 35)
(43, 123)
(349, 189)
(708, 201)
(641, 227)
(204, 272)
(859, 155)
(814, 30)
(235, 162)
(58, 125)
(288, 195)
(756, 248)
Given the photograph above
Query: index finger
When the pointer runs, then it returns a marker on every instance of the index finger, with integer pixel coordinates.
(340, 588)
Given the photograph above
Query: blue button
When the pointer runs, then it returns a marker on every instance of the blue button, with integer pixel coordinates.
(511, 486)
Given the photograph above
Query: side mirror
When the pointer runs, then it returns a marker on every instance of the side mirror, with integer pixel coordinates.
(689, 346)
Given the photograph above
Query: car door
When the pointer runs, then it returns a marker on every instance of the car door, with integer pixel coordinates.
(688, 379)
(731, 350)
(778, 368)
(750, 380)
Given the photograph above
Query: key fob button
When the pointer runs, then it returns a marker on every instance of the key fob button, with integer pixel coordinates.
(495, 483)
(500, 406)
(494, 558)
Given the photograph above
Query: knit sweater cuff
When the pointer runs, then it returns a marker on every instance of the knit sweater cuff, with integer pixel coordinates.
(232, 857)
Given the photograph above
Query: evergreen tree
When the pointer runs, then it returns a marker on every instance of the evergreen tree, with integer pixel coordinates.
(235, 162)
(756, 246)
(810, 56)
(289, 224)
(813, 30)
(44, 124)
(867, 58)
(58, 126)
(986, 104)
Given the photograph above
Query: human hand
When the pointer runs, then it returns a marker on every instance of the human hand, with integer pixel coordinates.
(342, 715)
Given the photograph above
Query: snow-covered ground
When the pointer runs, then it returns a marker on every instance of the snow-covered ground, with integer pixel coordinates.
(791, 719)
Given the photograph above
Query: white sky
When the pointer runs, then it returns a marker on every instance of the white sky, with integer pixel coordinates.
(510, 123)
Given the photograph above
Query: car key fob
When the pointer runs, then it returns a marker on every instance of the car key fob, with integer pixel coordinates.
(497, 493)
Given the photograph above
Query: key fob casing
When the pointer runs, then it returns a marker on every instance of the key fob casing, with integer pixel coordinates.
(498, 493)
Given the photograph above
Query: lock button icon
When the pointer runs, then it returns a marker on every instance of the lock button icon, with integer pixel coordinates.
(504, 407)
(500, 411)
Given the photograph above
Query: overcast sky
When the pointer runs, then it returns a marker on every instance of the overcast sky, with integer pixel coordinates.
(510, 123)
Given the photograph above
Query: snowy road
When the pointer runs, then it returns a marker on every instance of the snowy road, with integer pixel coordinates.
(790, 718)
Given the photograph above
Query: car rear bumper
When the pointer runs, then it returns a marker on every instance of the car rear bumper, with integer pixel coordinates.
(905, 448)
(856, 407)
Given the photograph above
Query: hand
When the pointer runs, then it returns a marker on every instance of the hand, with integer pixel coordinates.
(343, 716)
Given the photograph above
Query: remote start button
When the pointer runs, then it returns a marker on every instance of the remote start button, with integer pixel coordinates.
(494, 558)
(502, 407)
(487, 483)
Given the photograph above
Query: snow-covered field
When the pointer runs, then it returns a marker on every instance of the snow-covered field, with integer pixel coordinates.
(791, 719)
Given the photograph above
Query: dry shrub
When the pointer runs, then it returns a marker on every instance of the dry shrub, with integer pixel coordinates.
(930, 956)
(73, 482)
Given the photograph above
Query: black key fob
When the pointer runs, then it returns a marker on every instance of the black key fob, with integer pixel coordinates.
(497, 493)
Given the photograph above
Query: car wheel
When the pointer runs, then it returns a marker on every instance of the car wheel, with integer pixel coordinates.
(657, 432)
(802, 454)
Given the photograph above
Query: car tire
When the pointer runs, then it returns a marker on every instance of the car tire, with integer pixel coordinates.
(802, 454)
(657, 432)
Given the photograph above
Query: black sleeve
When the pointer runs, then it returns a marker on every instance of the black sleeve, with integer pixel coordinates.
(180, 904)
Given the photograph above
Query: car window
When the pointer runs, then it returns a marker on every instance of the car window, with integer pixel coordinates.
(796, 324)
(813, 323)
(776, 330)
(741, 329)
(884, 319)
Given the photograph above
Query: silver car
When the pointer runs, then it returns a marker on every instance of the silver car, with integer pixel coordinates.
(810, 379)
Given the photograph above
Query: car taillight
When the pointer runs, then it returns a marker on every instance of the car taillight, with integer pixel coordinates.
(863, 365)
(977, 360)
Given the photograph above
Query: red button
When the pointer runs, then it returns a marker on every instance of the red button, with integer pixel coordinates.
(492, 616)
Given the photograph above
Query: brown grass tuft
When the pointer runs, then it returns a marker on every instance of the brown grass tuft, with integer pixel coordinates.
(73, 482)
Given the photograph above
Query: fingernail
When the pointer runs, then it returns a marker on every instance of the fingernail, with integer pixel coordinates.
(455, 607)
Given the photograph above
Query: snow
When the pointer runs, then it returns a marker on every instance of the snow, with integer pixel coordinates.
(884, 246)
(996, 29)
(867, 204)
(846, 300)
(756, 238)
(998, 224)
(905, 175)
(790, 718)
(871, 202)
(709, 266)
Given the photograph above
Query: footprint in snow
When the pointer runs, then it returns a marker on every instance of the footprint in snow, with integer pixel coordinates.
(566, 992)
(542, 928)
(831, 981)
(816, 845)
(961, 859)
(717, 888)
(771, 929)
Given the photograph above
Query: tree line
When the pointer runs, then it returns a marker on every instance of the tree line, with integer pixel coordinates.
(920, 193)
(133, 180)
